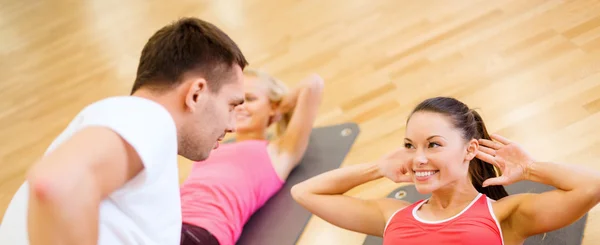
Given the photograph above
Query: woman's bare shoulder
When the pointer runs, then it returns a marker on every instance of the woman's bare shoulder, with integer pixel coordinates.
(504, 207)
(389, 206)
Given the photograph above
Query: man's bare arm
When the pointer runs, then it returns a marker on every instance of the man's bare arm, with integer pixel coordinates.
(67, 186)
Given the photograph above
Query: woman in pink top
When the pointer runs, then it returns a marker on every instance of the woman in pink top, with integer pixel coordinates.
(222, 192)
(447, 152)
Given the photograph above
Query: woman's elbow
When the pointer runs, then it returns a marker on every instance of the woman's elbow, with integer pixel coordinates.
(300, 193)
(590, 191)
(596, 191)
(315, 85)
(593, 187)
(297, 192)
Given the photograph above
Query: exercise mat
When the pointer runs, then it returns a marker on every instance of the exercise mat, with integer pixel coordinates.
(281, 220)
(570, 235)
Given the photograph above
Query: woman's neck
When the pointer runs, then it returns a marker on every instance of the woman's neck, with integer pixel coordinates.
(250, 135)
(453, 195)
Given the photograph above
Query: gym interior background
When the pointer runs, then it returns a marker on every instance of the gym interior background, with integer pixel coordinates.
(532, 67)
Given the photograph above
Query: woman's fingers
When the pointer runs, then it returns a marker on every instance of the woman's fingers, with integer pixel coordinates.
(487, 150)
(490, 144)
(486, 158)
(501, 180)
(404, 178)
(500, 139)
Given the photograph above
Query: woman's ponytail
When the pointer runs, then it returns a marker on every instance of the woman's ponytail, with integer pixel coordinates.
(480, 170)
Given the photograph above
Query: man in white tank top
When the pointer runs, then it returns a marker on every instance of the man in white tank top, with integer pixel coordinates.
(111, 176)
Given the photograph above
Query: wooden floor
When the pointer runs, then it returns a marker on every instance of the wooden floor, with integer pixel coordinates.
(532, 67)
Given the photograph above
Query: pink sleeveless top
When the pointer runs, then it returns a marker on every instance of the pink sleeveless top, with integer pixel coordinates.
(475, 225)
(222, 192)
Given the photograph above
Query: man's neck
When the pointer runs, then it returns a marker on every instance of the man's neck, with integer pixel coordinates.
(165, 99)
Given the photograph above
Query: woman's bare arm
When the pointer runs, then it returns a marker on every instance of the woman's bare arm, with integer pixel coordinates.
(324, 196)
(528, 214)
(577, 191)
(291, 146)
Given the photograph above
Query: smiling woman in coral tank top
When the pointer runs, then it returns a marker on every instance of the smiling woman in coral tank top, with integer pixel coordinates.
(447, 152)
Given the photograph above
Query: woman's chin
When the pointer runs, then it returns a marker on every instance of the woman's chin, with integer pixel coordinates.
(425, 188)
(242, 129)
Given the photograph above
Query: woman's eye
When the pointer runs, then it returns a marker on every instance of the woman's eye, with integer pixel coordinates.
(407, 145)
(249, 97)
(433, 144)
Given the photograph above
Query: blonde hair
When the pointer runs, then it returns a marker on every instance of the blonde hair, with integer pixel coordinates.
(276, 91)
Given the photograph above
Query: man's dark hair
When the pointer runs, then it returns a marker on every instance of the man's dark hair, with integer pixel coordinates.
(187, 45)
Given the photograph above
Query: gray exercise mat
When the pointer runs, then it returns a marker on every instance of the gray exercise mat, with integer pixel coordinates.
(281, 220)
(570, 235)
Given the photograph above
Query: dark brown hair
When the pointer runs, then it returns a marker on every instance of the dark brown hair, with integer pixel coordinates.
(472, 126)
(187, 45)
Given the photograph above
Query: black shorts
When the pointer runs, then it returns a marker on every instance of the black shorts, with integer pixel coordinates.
(194, 235)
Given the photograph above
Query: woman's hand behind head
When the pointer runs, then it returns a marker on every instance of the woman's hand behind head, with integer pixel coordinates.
(313, 82)
(288, 103)
(395, 166)
(512, 160)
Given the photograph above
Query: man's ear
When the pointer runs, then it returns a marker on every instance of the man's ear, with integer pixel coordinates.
(194, 92)
(472, 149)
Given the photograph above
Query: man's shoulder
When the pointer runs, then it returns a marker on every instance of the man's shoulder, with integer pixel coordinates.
(127, 108)
(143, 123)
(126, 104)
